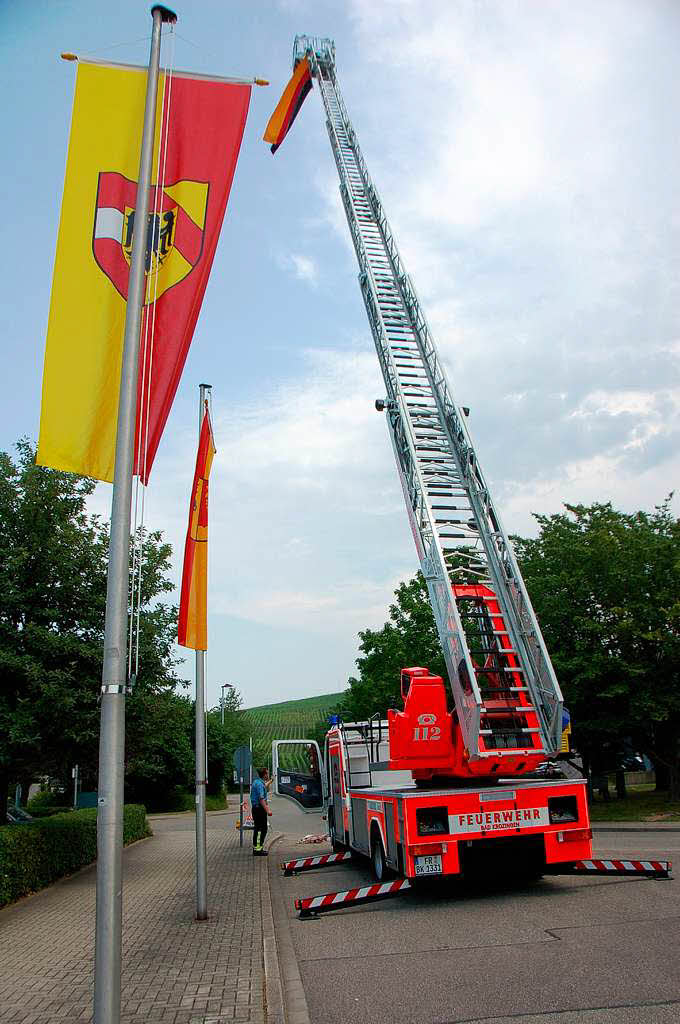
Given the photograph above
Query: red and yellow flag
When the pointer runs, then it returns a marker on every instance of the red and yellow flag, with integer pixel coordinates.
(192, 630)
(289, 105)
(81, 381)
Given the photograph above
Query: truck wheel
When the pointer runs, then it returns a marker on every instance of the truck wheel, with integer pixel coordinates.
(379, 867)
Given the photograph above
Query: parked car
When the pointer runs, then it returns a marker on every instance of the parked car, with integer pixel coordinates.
(17, 815)
(631, 762)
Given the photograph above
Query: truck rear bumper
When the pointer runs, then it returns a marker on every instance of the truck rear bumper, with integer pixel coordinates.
(519, 854)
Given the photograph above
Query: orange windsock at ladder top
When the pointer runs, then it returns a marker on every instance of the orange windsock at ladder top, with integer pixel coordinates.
(289, 105)
(83, 356)
(192, 630)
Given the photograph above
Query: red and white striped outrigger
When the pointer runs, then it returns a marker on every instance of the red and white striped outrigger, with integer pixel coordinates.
(313, 905)
(292, 867)
(648, 868)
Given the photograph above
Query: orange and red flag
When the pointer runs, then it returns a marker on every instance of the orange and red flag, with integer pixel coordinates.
(289, 105)
(192, 630)
(193, 175)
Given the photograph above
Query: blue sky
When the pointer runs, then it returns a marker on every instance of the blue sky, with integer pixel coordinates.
(526, 154)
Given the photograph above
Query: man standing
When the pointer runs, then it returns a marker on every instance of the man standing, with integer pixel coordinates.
(260, 808)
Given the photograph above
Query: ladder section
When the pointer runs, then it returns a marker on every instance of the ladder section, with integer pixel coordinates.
(508, 718)
(456, 529)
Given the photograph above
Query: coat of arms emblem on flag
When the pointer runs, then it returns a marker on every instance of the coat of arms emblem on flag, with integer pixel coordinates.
(174, 231)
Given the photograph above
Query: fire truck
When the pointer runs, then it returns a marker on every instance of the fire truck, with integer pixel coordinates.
(464, 776)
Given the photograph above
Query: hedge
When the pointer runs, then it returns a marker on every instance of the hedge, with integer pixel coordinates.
(47, 812)
(38, 853)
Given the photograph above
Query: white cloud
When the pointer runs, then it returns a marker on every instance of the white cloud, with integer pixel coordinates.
(301, 267)
(304, 268)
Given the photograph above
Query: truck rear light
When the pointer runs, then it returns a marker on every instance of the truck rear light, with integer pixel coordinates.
(425, 848)
(575, 835)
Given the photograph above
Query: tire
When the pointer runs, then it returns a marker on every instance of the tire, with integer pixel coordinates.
(379, 867)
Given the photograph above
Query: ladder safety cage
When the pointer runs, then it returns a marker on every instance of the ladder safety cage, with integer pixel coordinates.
(506, 694)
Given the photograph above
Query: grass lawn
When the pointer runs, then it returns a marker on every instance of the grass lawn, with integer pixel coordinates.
(641, 804)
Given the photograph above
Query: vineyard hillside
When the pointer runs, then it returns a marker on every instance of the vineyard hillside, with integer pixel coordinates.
(289, 720)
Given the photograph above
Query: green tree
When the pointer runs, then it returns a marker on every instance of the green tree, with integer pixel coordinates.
(222, 742)
(158, 740)
(158, 747)
(409, 638)
(53, 561)
(52, 584)
(226, 731)
(606, 589)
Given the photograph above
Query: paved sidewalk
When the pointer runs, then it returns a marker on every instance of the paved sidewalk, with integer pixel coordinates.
(175, 970)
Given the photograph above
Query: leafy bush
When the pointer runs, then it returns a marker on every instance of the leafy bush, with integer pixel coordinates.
(216, 801)
(46, 802)
(47, 812)
(36, 854)
(176, 800)
(167, 801)
(135, 825)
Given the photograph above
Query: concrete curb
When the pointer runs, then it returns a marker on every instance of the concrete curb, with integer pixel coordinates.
(275, 1013)
(189, 814)
(295, 1006)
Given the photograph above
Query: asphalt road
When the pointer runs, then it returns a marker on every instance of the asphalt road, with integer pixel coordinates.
(563, 950)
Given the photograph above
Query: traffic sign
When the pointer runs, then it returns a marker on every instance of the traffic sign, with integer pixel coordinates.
(242, 762)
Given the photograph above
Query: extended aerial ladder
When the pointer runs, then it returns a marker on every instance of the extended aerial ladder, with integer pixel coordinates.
(508, 705)
(507, 699)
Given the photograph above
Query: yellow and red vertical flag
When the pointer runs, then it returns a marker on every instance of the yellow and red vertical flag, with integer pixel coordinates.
(192, 630)
(193, 172)
(289, 105)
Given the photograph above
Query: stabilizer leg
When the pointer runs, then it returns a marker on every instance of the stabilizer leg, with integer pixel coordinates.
(313, 905)
(292, 867)
(644, 868)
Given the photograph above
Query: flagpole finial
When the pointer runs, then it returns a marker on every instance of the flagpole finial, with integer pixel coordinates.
(258, 81)
(69, 56)
(167, 16)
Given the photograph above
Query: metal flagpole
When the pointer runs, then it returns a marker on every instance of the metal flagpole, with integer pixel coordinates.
(114, 673)
(201, 752)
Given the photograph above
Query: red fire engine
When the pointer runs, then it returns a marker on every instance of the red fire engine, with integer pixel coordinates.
(465, 776)
(403, 792)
